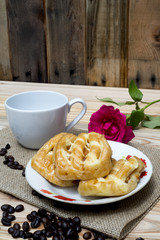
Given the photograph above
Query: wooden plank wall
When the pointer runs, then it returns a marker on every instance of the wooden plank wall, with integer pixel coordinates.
(92, 42)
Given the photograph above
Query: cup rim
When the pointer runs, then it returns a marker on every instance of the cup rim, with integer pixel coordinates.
(35, 110)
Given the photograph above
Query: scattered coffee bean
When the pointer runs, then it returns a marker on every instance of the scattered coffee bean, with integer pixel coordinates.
(29, 235)
(36, 222)
(25, 226)
(5, 221)
(10, 230)
(139, 238)
(76, 221)
(42, 212)
(5, 162)
(3, 151)
(5, 207)
(37, 234)
(87, 235)
(22, 234)
(5, 214)
(10, 158)
(7, 146)
(34, 213)
(43, 237)
(30, 217)
(20, 167)
(16, 233)
(17, 226)
(19, 208)
(11, 209)
(11, 217)
(78, 229)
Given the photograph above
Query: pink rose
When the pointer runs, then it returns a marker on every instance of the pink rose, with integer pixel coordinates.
(111, 123)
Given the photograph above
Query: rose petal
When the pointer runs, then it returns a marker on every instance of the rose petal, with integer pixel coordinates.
(111, 123)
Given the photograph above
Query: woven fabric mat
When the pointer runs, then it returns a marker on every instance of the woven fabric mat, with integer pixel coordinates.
(116, 220)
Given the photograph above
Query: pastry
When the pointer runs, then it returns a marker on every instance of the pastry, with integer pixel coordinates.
(82, 157)
(122, 179)
(43, 162)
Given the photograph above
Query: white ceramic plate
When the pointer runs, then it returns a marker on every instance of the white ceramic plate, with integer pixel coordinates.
(71, 195)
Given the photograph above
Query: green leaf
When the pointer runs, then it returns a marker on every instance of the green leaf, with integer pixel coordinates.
(134, 92)
(151, 122)
(135, 118)
(109, 100)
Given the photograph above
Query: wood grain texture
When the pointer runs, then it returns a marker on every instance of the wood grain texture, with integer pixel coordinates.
(27, 40)
(66, 41)
(149, 227)
(5, 67)
(144, 43)
(107, 34)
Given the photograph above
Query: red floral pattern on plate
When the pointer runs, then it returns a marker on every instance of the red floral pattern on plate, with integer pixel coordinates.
(46, 191)
(62, 197)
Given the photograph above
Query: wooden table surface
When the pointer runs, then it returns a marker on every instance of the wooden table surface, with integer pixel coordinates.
(149, 227)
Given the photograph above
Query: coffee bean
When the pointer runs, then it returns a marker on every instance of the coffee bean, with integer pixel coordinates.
(36, 222)
(30, 217)
(78, 229)
(19, 208)
(34, 213)
(11, 209)
(5, 214)
(76, 221)
(29, 235)
(7, 146)
(36, 235)
(10, 230)
(25, 226)
(42, 212)
(20, 167)
(11, 217)
(43, 237)
(16, 233)
(45, 220)
(12, 166)
(22, 234)
(5, 207)
(65, 225)
(5, 221)
(87, 235)
(49, 233)
(100, 238)
(139, 238)
(5, 162)
(3, 151)
(17, 226)
(10, 158)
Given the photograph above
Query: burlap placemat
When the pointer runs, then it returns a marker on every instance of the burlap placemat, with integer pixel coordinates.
(116, 219)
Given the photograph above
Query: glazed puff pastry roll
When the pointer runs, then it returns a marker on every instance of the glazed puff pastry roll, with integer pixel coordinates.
(43, 162)
(122, 179)
(82, 157)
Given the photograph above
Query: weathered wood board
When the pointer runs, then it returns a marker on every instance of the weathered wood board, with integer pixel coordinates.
(83, 42)
(144, 43)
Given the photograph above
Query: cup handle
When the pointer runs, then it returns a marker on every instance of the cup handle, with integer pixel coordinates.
(80, 115)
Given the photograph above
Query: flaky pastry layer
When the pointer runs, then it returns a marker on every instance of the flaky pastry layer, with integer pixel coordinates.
(122, 179)
(82, 157)
(43, 162)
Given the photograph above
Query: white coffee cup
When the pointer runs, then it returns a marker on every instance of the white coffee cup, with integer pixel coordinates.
(36, 116)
